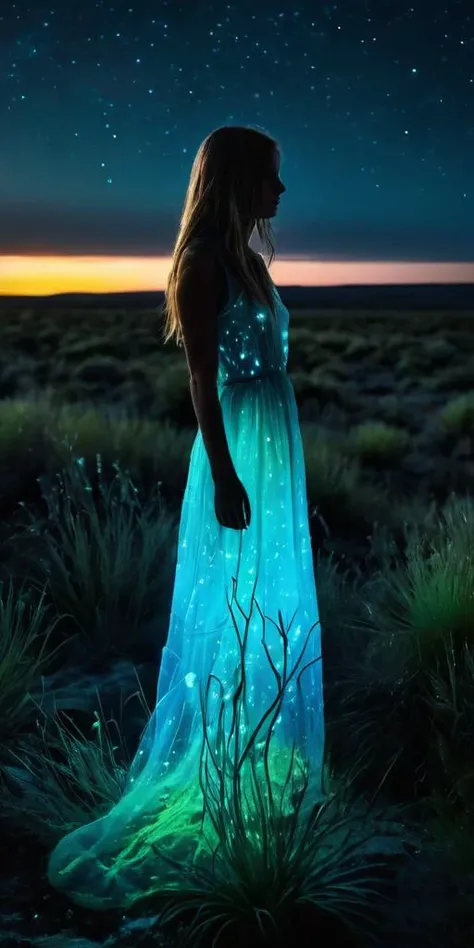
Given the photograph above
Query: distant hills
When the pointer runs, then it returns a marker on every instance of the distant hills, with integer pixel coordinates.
(433, 296)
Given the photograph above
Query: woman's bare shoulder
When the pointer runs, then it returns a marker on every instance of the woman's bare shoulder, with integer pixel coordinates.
(201, 271)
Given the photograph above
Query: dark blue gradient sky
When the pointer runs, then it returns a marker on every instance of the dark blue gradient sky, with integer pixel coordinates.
(103, 105)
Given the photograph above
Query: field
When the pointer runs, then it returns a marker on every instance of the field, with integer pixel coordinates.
(96, 426)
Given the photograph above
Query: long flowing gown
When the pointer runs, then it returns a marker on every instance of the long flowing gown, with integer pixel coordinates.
(234, 594)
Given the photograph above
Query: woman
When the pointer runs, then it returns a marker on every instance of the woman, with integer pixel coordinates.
(244, 594)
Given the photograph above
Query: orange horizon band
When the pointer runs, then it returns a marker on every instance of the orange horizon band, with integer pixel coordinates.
(38, 275)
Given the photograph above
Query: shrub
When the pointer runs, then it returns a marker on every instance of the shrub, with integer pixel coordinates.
(304, 349)
(454, 378)
(339, 603)
(38, 436)
(334, 484)
(457, 418)
(377, 442)
(22, 429)
(330, 474)
(101, 371)
(320, 384)
(151, 450)
(173, 396)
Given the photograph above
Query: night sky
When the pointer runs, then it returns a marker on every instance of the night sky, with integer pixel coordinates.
(103, 106)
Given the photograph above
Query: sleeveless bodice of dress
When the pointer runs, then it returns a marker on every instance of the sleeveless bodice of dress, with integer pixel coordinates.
(253, 342)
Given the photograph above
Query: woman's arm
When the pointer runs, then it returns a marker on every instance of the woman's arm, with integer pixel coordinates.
(197, 298)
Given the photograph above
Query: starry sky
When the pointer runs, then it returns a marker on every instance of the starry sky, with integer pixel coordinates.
(103, 105)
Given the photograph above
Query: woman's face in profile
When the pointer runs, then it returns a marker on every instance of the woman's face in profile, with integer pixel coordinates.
(272, 188)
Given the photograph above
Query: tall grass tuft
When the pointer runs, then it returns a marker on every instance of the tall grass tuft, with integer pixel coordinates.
(420, 617)
(451, 756)
(24, 636)
(59, 778)
(106, 557)
(431, 595)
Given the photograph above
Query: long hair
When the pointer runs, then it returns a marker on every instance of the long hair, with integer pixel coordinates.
(225, 181)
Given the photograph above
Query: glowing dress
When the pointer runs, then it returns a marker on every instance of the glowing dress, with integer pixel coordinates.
(110, 861)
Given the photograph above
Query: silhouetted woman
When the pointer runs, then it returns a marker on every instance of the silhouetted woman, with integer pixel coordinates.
(244, 611)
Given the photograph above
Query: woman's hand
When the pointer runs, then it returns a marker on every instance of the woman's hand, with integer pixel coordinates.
(231, 502)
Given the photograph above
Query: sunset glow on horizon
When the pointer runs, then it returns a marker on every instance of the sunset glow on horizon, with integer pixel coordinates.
(22, 275)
